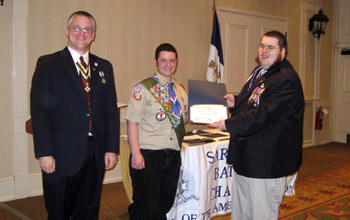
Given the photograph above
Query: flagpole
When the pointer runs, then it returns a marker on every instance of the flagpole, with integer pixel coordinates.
(214, 9)
(215, 65)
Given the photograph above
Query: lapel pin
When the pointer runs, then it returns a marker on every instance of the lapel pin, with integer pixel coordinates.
(102, 75)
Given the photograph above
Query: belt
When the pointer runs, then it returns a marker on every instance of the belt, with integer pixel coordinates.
(90, 136)
(168, 150)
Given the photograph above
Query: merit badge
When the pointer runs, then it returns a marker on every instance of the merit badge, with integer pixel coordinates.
(160, 116)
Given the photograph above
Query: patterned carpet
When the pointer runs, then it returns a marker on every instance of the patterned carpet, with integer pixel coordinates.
(325, 196)
(322, 192)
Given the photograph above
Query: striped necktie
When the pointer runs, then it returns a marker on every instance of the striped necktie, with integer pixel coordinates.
(85, 81)
(257, 73)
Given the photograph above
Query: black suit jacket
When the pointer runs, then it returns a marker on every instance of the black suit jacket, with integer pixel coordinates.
(266, 125)
(60, 115)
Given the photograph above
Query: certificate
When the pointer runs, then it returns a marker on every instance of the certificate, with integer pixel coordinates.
(206, 101)
(207, 114)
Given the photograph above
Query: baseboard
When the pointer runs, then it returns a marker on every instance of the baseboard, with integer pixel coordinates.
(31, 185)
(7, 187)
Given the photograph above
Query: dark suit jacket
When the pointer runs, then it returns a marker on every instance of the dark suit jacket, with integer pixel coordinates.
(266, 125)
(60, 115)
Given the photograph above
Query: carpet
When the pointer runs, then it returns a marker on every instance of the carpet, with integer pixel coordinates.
(325, 196)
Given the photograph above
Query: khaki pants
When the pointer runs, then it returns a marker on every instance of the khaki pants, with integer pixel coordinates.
(255, 199)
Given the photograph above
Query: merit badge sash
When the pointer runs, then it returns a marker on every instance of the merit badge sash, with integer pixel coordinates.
(161, 94)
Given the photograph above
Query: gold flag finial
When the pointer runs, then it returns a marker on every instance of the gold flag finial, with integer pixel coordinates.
(214, 6)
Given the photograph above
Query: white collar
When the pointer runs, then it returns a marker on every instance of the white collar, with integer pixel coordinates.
(76, 56)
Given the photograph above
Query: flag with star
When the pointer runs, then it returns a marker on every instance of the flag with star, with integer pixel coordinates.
(215, 69)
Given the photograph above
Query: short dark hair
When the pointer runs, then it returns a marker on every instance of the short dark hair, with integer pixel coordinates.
(282, 40)
(85, 14)
(165, 47)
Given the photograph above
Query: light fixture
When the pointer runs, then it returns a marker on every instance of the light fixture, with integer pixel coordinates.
(2, 2)
(317, 24)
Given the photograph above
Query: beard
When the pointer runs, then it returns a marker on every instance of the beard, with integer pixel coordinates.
(279, 58)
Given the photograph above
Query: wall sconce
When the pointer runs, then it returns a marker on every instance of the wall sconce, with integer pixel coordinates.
(2, 2)
(317, 24)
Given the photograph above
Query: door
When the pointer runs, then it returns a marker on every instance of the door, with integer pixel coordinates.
(240, 34)
(342, 95)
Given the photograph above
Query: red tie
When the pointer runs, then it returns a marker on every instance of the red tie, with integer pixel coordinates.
(83, 62)
(85, 81)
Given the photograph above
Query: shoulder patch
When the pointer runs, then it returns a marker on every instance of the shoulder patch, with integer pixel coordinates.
(136, 94)
(137, 89)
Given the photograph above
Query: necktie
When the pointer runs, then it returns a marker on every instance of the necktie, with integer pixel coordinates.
(257, 73)
(85, 81)
(175, 104)
(83, 62)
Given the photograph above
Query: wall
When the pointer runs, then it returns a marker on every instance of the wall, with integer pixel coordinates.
(127, 35)
(6, 87)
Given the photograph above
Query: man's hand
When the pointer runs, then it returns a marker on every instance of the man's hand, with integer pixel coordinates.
(219, 124)
(111, 160)
(47, 164)
(230, 100)
(137, 161)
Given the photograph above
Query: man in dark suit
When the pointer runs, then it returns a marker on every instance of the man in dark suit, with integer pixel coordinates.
(265, 132)
(75, 123)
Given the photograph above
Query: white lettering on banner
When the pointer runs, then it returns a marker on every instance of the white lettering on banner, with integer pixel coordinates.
(205, 184)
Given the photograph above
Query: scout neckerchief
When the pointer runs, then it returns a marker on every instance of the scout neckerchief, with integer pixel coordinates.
(173, 110)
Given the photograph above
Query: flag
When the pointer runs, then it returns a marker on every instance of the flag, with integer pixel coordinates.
(216, 60)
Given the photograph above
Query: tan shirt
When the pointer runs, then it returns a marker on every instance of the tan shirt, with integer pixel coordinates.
(155, 130)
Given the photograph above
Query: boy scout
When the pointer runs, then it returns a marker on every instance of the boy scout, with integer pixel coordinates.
(155, 117)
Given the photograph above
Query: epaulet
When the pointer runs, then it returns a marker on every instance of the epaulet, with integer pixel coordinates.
(180, 84)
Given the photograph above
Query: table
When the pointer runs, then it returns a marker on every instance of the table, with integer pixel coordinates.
(205, 183)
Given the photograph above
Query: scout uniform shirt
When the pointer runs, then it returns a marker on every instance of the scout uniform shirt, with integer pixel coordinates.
(155, 130)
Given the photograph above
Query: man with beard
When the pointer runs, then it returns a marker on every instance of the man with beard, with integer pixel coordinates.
(265, 132)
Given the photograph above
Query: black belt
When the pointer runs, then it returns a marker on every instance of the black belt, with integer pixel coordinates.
(90, 137)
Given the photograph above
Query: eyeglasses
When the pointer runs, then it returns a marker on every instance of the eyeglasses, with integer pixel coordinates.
(267, 47)
(78, 29)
